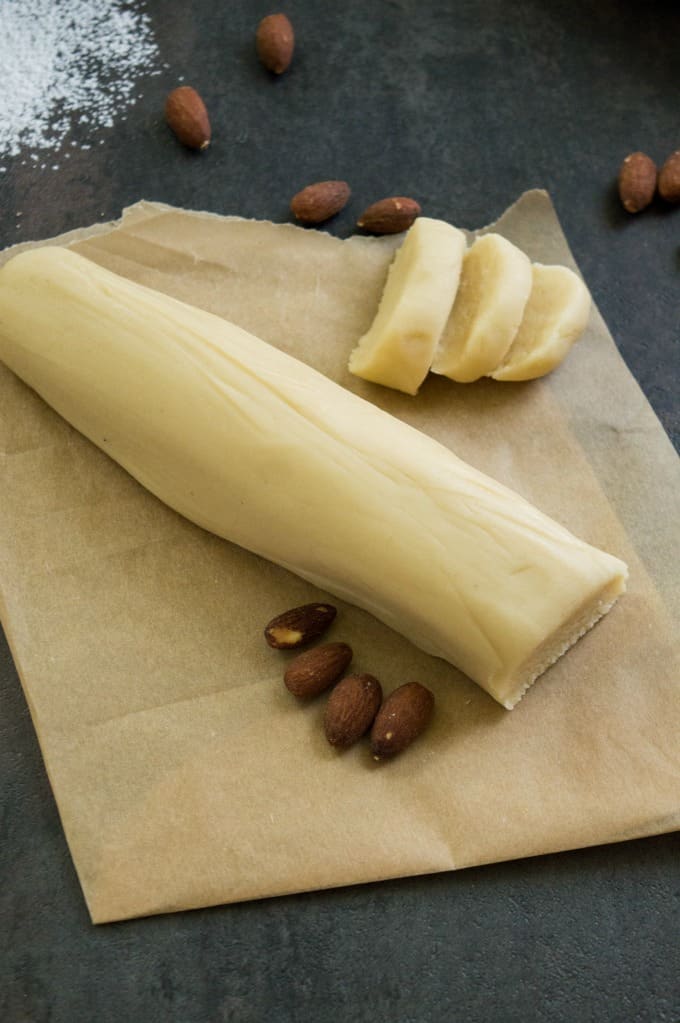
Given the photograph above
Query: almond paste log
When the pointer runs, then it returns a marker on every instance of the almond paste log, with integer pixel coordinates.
(259, 448)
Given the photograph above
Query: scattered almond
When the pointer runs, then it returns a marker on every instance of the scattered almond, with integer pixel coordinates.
(186, 114)
(389, 216)
(315, 670)
(351, 708)
(403, 716)
(275, 42)
(299, 625)
(320, 201)
(637, 182)
(669, 178)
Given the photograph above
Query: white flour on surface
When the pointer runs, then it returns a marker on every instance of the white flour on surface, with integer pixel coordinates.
(68, 65)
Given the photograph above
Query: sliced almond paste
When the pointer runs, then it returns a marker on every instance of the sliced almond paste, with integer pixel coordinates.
(556, 315)
(421, 285)
(494, 289)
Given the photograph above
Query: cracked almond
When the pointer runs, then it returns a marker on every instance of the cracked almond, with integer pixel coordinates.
(299, 625)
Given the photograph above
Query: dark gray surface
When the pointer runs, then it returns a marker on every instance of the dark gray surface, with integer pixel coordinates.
(462, 105)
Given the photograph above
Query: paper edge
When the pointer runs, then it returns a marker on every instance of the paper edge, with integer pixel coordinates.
(144, 209)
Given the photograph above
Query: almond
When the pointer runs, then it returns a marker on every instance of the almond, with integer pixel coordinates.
(319, 201)
(669, 178)
(389, 216)
(315, 670)
(351, 708)
(275, 42)
(637, 182)
(186, 114)
(299, 625)
(403, 716)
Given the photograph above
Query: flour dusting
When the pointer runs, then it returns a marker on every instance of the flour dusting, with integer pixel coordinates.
(69, 65)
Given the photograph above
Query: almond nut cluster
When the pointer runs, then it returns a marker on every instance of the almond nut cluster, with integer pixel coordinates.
(356, 703)
(185, 111)
(187, 117)
(321, 200)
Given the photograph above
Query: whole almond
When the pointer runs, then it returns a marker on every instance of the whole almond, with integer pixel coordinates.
(351, 708)
(669, 178)
(403, 716)
(186, 114)
(389, 216)
(319, 201)
(637, 182)
(275, 42)
(299, 625)
(315, 670)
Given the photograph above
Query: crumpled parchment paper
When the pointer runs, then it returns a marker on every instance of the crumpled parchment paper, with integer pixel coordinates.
(185, 774)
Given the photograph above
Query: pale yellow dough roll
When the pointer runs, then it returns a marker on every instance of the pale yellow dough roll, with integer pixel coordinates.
(257, 447)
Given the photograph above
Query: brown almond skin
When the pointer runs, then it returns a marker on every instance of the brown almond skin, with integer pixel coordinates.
(389, 216)
(275, 43)
(637, 182)
(315, 670)
(669, 178)
(186, 114)
(351, 709)
(320, 201)
(299, 625)
(404, 716)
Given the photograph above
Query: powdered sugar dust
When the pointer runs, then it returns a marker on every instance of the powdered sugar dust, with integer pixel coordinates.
(68, 66)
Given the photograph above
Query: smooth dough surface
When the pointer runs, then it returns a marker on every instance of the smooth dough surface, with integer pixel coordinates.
(259, 448)
(421, 285)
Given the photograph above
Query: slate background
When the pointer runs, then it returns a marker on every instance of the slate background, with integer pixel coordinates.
(463, 105)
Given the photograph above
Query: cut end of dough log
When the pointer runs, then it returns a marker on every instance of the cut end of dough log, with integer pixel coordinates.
(510, 690)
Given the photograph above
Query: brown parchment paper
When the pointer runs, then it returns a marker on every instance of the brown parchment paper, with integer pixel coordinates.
(184, 772)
